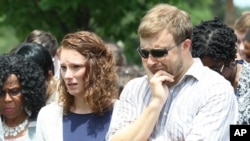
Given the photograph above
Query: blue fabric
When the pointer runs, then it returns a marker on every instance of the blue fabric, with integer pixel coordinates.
(32, 131)
(239, 61)
(86, 127)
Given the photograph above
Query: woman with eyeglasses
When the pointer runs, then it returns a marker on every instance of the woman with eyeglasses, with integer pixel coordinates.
(218, 52)
(22, 94)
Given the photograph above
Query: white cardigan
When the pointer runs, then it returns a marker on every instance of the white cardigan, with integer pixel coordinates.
(1, 130)
(49, 123)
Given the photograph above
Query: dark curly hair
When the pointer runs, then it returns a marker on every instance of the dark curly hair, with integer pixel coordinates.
(214, 39)
(31, 79)
(100, 81)
(37, 53)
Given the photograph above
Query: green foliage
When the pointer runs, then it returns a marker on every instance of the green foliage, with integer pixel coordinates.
(7, 40)
(115, 20)
(242, 10)
(198, 10)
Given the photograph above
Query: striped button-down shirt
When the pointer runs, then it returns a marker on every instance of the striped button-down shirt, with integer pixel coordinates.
(200, 107)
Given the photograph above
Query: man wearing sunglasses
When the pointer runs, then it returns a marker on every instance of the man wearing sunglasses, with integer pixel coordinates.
(179, 98)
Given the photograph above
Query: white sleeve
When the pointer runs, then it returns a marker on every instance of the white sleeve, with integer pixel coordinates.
(1, 130)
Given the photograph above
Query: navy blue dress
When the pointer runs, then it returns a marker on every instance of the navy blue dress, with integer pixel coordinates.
(86, 127)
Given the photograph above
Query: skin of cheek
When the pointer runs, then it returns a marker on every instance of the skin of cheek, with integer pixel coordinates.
(14, 101)
(247, 48)
(240, 45)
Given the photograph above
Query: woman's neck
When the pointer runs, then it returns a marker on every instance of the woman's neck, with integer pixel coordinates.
(80, 107)
(15, 127)
(12, 122)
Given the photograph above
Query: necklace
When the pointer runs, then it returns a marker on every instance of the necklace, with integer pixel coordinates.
(13, 131)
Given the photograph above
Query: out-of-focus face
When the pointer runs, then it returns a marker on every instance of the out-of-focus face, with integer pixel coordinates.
(216, 65)
(11, 99)
(73, 70)
(247, 49)
(228, 71)
(117, 54)
(240, 45)
(171, 62)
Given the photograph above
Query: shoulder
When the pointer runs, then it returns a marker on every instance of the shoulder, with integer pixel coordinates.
(214, 81)
(138, 81)
(203, 73)
(207, 79)
(32, 129)
(135, 85)
(52, 106)
(52, 109)
(204, 76)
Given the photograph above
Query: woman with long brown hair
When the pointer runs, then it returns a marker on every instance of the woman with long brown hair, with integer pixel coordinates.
(88, 89)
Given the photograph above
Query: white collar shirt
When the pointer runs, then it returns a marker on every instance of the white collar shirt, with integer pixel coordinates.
(200, 107)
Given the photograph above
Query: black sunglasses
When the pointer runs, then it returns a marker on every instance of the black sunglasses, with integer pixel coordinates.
(157, 53)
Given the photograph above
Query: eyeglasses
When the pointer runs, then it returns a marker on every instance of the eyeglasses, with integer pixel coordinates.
(157, 53)
(11, 92)
(218, 69)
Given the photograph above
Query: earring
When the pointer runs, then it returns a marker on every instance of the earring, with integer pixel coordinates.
(27, 111)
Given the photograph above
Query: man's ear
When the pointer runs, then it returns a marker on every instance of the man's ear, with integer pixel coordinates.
(57, 53)
(187, 44)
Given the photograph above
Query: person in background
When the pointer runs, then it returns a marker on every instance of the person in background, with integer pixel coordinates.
(49, 41)
(214, 43)
(1, 126)
(88, 91)
(125, 71)
(241, 25)
(119, 56)
(1, 129)
(175, 100)
(38, 54)
(243, 88)
(246, 43)
(22, 94)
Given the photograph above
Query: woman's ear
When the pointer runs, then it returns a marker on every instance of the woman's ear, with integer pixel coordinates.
(50, 75)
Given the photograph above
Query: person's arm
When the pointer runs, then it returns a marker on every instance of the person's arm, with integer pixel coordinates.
(39, 126)
(213, 120)
(49, 123)
(142, 127)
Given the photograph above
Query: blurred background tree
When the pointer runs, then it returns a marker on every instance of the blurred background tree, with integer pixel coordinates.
(113, 20)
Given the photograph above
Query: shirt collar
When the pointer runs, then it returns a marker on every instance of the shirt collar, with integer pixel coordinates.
(195, 69)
